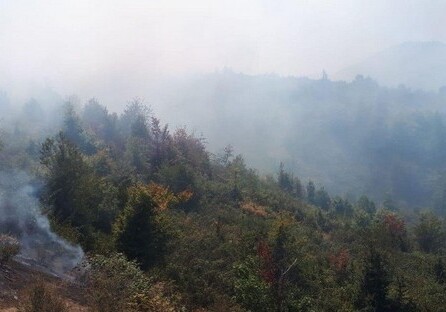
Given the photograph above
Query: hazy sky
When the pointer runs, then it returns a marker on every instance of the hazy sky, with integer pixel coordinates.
(86, 45)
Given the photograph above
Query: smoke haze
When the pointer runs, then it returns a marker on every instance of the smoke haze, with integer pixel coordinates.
(248, 73)
(115, 50)
(20, 216)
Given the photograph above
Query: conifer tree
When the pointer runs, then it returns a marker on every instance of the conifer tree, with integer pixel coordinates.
(139, 233)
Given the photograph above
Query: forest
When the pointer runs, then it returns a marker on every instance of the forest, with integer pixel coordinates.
(159, 223)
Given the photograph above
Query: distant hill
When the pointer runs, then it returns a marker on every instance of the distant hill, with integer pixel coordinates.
(418, 65)
(354, 137)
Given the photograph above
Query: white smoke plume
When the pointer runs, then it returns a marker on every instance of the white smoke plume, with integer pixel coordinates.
(20, 216)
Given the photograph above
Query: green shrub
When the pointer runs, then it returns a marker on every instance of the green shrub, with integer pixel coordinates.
(112, 281)
(115, 284)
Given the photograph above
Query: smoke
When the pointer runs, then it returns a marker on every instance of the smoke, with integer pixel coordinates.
(114, 49)
(20, 216)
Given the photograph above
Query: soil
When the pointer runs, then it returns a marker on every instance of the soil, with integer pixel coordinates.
(16, 280)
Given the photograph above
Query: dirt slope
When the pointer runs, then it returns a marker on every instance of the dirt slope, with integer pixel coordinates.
(16, 279)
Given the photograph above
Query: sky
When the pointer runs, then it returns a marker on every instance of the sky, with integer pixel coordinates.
(88, 47)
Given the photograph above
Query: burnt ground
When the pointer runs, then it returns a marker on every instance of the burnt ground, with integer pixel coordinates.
(16, 279)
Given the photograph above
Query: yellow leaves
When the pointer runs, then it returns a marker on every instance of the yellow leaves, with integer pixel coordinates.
(184, 196)
(254, 209)
(164, 197)
(156, 299)
(283, 221)
(161, 195)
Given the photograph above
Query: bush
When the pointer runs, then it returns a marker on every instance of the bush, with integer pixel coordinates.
(41, 298)
(9, 247)
(111, 281)
(116, 284)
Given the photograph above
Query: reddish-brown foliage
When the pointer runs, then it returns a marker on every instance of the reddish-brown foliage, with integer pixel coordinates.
(339, 261)
(267, 267)
(394, 225)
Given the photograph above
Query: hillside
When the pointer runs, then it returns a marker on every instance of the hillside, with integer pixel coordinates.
(16, 281)
(168, 226)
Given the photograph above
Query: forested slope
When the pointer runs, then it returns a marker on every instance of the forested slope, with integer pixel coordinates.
(206, 232)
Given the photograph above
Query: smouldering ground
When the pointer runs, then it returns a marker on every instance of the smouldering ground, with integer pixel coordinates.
(16, 279)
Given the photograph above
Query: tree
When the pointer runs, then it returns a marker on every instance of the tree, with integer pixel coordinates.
(342, 207)
(74, 195)
(429, 233)
(373, 289)
(322, 199)
(228, 154)
(161, 144)
(365, 204)
(250, 289)
(279, 256)
(65, 167)
(311, 192)
(299, 191)
(440, 271)
(98, 121)
(137, 155)
(134, 125)
(74, 131)
(139, 230)
(393, 231)
(191, 151)
(139, 128)
(135, 116)
(276, 269)
(285, 180)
